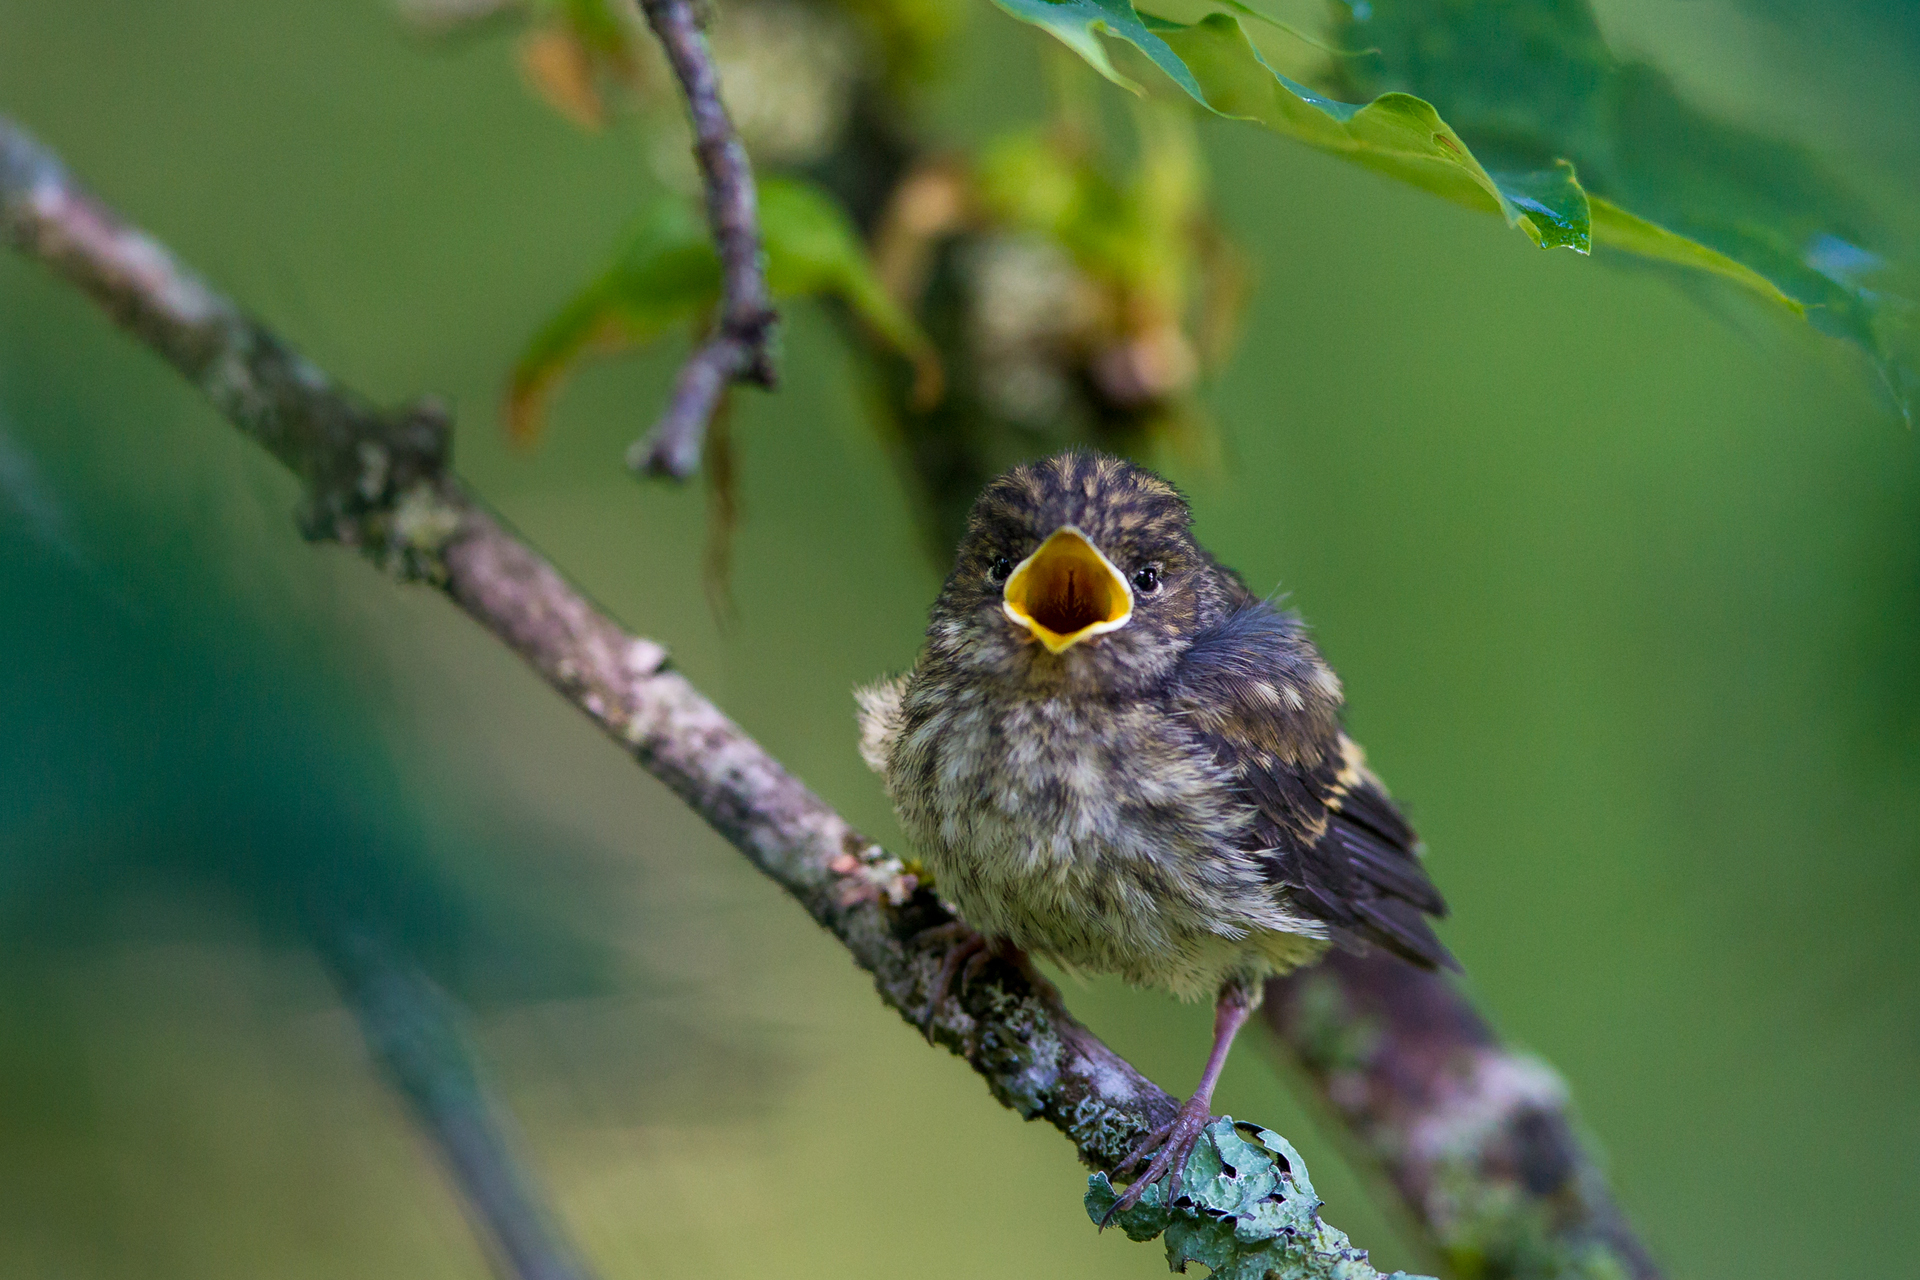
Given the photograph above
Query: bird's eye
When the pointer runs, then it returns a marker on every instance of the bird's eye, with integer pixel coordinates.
(998, 569)
(1146, 579)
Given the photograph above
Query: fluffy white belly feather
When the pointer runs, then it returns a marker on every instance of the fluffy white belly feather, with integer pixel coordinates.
(1085, 834)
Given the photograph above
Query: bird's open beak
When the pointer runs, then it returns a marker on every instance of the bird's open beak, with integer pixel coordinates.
(1067, 592)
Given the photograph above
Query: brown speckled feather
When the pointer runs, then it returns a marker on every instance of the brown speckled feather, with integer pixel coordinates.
(1329, 836)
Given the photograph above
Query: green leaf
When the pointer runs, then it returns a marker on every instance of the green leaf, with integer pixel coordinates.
(1396, 134)
(1548, 131)
(1077, 24)
(1246, 1212)
(813, 251)
(1399, 134)
(666, 274)
(1615, 228)
(1522, 80)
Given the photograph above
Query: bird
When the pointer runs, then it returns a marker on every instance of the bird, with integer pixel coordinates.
(1112, 755)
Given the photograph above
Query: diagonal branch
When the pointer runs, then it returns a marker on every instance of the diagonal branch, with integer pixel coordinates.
(375, 481)
(739, 348)
(414, 1030)
(1478, 1140)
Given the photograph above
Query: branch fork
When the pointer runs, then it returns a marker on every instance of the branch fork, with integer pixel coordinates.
(740, 348)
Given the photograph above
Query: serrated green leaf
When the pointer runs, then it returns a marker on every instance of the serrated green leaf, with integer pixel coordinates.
(666, 274)
(1304, 37)
(1551, 119)
(1077, 24)
(1398, 134)
(1668, 182)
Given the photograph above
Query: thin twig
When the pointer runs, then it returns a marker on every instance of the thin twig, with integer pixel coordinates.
(413, 1030)
(739, 348)
(421, 524)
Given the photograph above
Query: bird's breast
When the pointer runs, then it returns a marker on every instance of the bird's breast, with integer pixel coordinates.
(1099, 835)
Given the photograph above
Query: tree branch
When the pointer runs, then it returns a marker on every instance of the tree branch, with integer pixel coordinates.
(738, 350)
(1478, 1140)
(412, 1028)
(376, 481)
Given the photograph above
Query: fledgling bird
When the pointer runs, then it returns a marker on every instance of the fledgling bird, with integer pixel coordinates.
(1111, 754)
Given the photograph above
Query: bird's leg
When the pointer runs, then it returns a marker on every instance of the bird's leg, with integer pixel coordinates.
(1173, 1142)
(972, 949)
(965, 946)
(963, 942)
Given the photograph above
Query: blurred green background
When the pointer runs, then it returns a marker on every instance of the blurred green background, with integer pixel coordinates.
(1625, 590)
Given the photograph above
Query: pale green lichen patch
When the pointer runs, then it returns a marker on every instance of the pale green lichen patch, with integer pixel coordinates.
(1246, 1212)
(423, 521)
(1019, 1051)
(418, 529)
(1101, 1132)
(376, 465)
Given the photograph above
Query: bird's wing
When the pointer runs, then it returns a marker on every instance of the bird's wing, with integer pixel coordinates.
(1257, 693)
(1363, 873)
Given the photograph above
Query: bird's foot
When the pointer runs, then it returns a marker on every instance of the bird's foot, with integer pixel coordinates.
(1169, 1145)
(965, 946)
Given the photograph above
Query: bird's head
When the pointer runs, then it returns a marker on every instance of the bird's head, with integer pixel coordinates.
(1079, 571)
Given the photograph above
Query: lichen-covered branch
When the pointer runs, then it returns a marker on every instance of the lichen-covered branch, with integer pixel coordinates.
(738, 349)
(412, 1030)
(369, 474)
(377, 483)
(1477, 1139)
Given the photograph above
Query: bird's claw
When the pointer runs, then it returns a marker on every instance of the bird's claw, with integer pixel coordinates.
(966, 946)
(1170, 1145)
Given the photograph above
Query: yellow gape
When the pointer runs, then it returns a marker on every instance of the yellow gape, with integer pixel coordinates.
(1066, 592)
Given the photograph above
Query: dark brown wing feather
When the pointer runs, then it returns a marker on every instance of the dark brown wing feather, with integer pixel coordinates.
(1386, 888)
(1330, 836)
